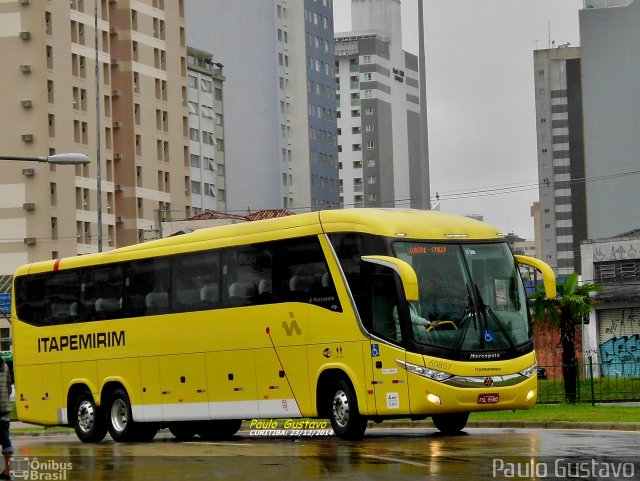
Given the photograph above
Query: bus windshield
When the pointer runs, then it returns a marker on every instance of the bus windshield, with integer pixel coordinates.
(470, 294)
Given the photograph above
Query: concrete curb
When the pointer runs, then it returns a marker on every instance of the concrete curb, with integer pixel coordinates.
(598, 426)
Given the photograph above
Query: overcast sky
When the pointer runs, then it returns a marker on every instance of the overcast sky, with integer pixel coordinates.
(482, 131)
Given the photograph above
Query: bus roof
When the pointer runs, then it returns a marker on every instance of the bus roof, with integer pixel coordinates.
(399, 223)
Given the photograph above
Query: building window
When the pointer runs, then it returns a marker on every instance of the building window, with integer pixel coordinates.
(205, 85)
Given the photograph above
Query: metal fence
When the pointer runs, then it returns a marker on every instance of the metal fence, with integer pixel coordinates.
(596, 383)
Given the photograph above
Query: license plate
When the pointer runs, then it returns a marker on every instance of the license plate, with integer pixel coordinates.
(488, 398)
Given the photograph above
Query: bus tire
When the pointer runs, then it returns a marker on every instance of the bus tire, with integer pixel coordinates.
(88, 419)
(346, 420)
(183, 431)
(145, 432)
(222, 429)
(122, 427)
(451, 423)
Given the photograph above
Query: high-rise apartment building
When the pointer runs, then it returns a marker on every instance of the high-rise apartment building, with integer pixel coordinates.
(561, 164)
(610, 72)
(379, 121)
(280, 123)
(49, 104)
(206, 132)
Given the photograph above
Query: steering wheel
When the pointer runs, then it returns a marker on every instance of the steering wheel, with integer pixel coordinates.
(438, 324)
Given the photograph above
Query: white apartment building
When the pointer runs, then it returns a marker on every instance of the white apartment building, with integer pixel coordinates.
(280, 121)
(206, 132)
(379, 120)
(561, 166)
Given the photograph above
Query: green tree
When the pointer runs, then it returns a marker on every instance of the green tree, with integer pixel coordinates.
(572, 306)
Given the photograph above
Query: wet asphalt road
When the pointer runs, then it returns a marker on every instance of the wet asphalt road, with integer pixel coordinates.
(385, 454)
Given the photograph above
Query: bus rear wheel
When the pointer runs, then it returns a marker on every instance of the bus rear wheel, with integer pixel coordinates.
(346, 420)
(88, 419)
(120, 421)
(223, 429)
(451, 423)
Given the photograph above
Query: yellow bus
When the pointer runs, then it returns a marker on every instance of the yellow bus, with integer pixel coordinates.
(312, 315)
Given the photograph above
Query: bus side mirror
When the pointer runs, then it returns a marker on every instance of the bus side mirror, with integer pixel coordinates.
(548, 277)
(405, 271)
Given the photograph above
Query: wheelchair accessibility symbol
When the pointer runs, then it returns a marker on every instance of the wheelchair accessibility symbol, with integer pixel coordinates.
(375, 350)
(488, 336)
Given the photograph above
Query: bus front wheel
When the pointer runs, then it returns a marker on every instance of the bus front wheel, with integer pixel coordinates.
(120, 421)
(346, 420)
(88, 420)
(451, 423)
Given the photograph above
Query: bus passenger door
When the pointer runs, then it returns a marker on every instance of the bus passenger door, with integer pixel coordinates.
(389, 380)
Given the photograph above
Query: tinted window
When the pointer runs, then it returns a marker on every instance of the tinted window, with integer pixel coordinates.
(101, 293)
(147, 287)
(196, 281)
(304, 275)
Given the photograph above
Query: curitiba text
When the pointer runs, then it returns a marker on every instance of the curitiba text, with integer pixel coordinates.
(75, 342)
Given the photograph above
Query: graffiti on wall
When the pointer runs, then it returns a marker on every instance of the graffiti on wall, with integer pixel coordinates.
(616, 253)
(620, 344)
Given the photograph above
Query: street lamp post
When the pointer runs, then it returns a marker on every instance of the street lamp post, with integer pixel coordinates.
(57, 159)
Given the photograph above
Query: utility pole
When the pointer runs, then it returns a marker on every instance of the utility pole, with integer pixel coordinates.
(424, 127)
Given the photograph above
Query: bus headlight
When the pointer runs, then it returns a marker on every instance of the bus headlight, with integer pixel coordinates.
(425, 372)
(530, 371)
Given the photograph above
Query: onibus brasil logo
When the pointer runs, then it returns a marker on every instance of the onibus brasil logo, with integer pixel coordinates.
(38, 469)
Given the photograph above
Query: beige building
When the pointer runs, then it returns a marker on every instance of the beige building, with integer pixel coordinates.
(49, 106)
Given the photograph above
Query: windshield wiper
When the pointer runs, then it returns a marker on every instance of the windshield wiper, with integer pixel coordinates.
(486, 309)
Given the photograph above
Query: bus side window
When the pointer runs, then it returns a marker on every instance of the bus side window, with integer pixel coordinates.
(195, 282)
(384, 314)
(60, 292)
(29, 302)
(149, 280)
(304, 274)
(101, 293)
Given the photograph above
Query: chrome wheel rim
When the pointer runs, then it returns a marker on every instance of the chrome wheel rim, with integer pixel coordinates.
(86, 416)
(340, 408)
(119, 415)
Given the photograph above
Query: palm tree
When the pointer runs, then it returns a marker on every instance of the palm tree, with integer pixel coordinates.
(572, 305)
